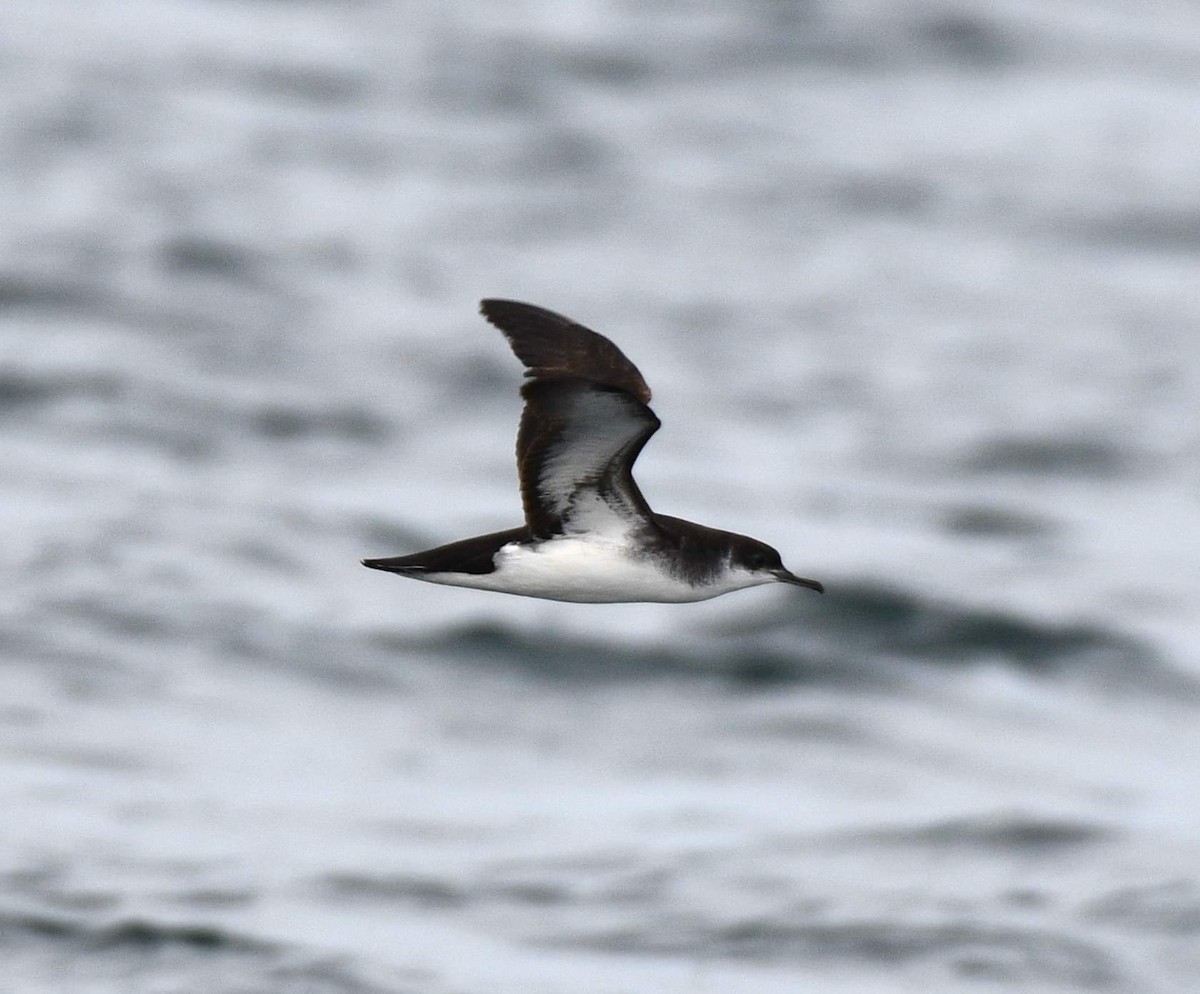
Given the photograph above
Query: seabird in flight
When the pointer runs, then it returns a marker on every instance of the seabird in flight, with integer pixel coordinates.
(589, 535)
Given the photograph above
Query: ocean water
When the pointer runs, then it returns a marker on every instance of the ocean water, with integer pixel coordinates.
(916, 290)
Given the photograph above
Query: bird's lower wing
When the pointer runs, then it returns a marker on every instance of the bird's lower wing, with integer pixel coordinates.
(575, 453)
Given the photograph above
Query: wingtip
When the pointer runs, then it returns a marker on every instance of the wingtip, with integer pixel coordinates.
(553, 346)
(489, 306)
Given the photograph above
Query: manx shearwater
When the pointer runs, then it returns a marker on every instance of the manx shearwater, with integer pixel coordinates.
(589, 535)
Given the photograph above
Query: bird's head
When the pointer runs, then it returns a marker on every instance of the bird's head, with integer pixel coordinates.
(764, 563)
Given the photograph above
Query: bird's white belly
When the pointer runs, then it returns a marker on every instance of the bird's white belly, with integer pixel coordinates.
(582, 570)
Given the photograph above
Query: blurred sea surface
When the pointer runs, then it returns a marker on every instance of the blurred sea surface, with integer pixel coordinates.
(916, 289)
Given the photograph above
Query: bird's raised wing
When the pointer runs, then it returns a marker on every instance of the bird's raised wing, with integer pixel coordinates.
(584, 423)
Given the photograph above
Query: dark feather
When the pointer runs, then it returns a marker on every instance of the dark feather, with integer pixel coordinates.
(575, 452)
(554, 347)
(585, 421)
(471, 555)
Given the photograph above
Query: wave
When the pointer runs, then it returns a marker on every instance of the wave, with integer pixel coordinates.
(1171, 908)
(971, 949)
(179, 419)
(23, 389)
(43, 951)
(1078, 456)
(135, 933)
(1016, 834)
(53, 292)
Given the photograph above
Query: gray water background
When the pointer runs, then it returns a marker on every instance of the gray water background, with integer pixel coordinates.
(916, 289)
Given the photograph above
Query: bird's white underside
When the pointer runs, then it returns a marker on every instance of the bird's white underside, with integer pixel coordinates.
(589, 570)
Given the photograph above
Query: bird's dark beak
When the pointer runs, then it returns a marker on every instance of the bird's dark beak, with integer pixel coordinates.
(786, 576)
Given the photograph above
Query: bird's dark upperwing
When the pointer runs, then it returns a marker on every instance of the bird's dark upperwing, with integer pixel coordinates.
(584, 423)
